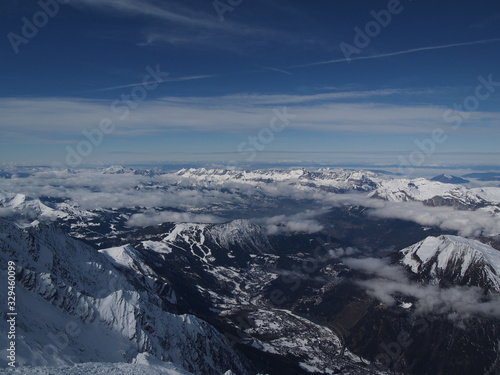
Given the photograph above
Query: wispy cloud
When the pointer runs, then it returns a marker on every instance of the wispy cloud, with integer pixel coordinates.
(466, 223)
(172, 79)
(174, 23)
(397, 53)
(180, 16)
(275, 69)
(303, 222)
(358, 112)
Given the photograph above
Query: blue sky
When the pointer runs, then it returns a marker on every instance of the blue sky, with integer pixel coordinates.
(72, 82)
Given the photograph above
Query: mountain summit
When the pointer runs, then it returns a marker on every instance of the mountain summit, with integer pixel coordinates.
(457, 260)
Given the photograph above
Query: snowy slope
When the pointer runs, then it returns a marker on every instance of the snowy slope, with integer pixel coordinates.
(209, 241)
(77, 307)
(103, 369)
(449, 179)
(236, 291)
(29, 207)
(26, 207)
(460, 260)
(436, 193)
(325, 179)
(420, 189)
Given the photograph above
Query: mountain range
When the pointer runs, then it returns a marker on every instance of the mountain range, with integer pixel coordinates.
(251, 272)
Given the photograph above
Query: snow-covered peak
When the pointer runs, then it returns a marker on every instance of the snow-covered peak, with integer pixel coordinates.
(17, 200)
(209, 242)
(241, 233)
(457, 259)
(330, 179)
(29, 208)
(113, 315)
(435, 193)
(117, 169)
(127, 257)
(104, 369)
(419, 189)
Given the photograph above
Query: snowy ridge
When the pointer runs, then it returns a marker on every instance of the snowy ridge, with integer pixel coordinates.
(104, 369)
(235, 289)
(240, 233)
(127, 257)
(337, 179)
(30, 208)
(93, 313)
(205, 241)
(421, 189)
(461, 260)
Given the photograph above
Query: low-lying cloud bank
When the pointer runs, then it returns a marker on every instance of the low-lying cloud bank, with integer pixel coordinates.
(155, 218)
(466, 223)
(299, 223)
(391, 281)
(5, 212)
(93, 189)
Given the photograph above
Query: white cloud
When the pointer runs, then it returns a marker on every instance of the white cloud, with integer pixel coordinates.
(299, 223)
(466, 223)
(391, 281)
(5, 212)
(376, 266)
(154, 218)
(227, 114)
(91, 189)
(173, 23)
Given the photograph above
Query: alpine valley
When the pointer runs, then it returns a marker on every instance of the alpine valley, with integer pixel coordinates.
(218, 271)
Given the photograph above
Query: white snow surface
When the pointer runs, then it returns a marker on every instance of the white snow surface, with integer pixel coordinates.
(242, 233)
(421, 189)
(103, 369)
(32, 208)
(453, 251)
(326, 177)
(76, 308)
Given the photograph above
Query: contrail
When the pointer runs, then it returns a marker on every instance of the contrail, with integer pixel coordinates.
(187, 78)
(389, 54)
(274, 69)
